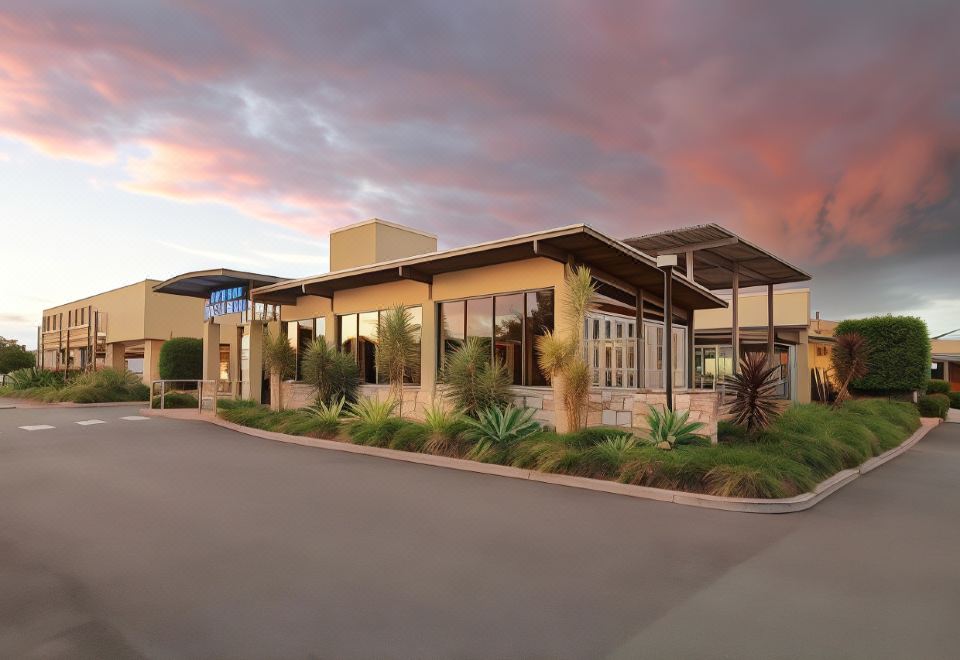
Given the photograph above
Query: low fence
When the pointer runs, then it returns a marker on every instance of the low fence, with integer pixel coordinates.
(206, 390)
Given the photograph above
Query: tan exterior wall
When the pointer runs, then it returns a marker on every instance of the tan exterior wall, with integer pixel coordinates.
(791, 307)
(124, 308)
(375, 241)
(537, 273)
(168, 316)
(371, 298)
(946, 347)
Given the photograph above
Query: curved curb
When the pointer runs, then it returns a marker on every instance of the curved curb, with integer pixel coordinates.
(737, 504)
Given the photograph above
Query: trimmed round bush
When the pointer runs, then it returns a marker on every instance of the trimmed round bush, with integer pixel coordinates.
(938, 387)
(175, 400)
(954, 399)
(933, 405)
(181, 358)
(899, 353)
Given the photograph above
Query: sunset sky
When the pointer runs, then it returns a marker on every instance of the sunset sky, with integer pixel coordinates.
(142, 139)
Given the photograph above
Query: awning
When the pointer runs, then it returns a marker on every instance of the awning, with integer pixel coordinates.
(199, 284)
(716, 253)
(616, 265)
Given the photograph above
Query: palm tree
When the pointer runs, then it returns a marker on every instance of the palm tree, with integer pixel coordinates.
(754, 387)
(280, 361)
(398, 349)
(851, 361)
(562, 357)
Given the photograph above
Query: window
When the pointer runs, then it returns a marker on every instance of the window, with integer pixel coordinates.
(358, 337)
(509, 324)
(224, 361)
(300, 334)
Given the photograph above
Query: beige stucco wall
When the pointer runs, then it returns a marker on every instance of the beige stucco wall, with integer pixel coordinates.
(946, 346)
(124, 308)
(790, 307)
(375, 241)
(168, 316)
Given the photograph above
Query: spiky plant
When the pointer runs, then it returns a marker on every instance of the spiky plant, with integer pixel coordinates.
(442, 422)
(671, 428)
(398, 349)
(475, 383)
(333, 375)
(372, 411)
(329, 413)
(754, 388)
(561, 357)
(851, 361)
(280, 361)
(496, 429)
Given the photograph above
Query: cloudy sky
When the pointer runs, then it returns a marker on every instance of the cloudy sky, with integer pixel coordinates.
(142, 139)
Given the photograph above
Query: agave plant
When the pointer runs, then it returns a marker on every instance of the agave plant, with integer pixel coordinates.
(30, 377)
(495, 429)
(755, 392)
(329, 413)
(671, 428)
(608, 455)
(370, 410)
(851, 361)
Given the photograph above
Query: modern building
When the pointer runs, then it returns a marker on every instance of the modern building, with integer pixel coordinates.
(946, 358)
(120, 328)
(640, 344)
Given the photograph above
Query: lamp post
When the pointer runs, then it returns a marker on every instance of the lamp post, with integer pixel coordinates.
(666, 263)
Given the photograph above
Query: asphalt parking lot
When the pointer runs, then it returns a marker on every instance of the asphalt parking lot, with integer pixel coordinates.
(125, 537)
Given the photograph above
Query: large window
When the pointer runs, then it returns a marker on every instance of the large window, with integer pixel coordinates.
(358, 337)
(508, 324)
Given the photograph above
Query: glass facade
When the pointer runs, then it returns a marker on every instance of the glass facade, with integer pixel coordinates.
(611, 352)
(357, 335)
(508, 324)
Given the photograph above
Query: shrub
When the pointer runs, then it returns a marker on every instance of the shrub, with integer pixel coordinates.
(933, 405)
(754, 387)
(23, 379)
(671, 428)
(330, 413)
(935, 386)
(900, 353)
(104, 386)
(728, 432)
(606, 458)
(175, 400)
(475, 382)
(280, 361)
(13, 358)
(495, 429)
(410, 437)
(231, 404)
(398, 349)
(548, 452)
(334, 375)
(954, 399)
(181, 358)
(371, 410)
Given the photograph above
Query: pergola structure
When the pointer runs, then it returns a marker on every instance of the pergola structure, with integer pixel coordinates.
(718, 259)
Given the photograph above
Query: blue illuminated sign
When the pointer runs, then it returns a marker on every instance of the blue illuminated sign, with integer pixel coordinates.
(226, 301)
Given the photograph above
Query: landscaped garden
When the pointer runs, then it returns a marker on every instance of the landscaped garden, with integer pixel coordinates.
(104, 386)
(762, 451)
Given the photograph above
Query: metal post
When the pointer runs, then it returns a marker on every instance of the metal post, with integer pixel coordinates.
(199, 397)
(690, 350)
(641, 377)
(667, 262)
(163, 394)
(770, 328)
(735, 336)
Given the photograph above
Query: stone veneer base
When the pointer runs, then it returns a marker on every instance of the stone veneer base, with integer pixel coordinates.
(737, 504)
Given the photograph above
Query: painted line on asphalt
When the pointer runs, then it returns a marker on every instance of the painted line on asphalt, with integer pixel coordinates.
(134, 418)
(88, 422)
(38, 427)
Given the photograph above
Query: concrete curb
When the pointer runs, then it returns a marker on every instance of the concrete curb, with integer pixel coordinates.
(737, 504)
(30, 403)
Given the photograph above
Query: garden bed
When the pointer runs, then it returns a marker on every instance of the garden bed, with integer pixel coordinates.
(804, 447)
(104, 386)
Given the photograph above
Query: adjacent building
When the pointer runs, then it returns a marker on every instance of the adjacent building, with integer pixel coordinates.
(945, 363)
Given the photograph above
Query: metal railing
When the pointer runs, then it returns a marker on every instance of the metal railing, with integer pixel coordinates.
(213, 389)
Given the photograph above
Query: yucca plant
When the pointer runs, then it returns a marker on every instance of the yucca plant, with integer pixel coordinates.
(22, 379)
(372, 411)
(475, 383)
(754, 388)
(329, 413)
(607, 456)
(671, 428)
(334, 375)
(561, 358)
(442, 423)
(398, 349)
(496, 429)
(851, 361)
(279, 361)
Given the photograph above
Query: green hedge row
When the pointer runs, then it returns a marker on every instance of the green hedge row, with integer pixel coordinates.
(899, 353)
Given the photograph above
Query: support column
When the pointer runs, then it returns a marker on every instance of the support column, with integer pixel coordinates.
(771, 331)
(802, 395)
(691, 350)
(735, 321)
(151, 360)
(254, 373)
(428, 347)
(211, 350)
(667, 264)
(115, 356)
(641, 378)
(690, 266)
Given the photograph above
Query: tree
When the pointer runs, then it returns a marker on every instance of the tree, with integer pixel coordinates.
(280, 361)
(333, 375)
(562, 358)
(181, 358)
(398, 349)
(754, 387)
(851, 361)
(13, 357)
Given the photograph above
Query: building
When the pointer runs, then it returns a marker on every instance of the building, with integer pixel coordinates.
(120, 328)
(945, 364)
(506, 292)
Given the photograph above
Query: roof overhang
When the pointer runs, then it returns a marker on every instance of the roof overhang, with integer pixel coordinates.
(622, 270)
(717, 252)
(201, 283)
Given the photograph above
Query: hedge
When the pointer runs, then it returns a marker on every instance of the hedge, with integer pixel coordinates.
(181, 358)
(13, 358)
(954, 399)
(934, 405)
(899, 353)
(938, 387)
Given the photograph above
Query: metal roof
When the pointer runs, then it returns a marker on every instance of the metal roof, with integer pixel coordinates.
(200, 283)
(616, 265)
(716, 252)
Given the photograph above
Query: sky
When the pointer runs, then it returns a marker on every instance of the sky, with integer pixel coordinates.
(146, 139)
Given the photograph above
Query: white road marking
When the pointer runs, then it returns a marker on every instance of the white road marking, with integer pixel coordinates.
(88, 422)
(38, 427)
(134, 418)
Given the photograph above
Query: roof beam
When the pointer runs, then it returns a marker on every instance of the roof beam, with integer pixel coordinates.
(556, 254)
(316, 290)
(542, 249)
(720, 262)
(408, 273)
(693, 247)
